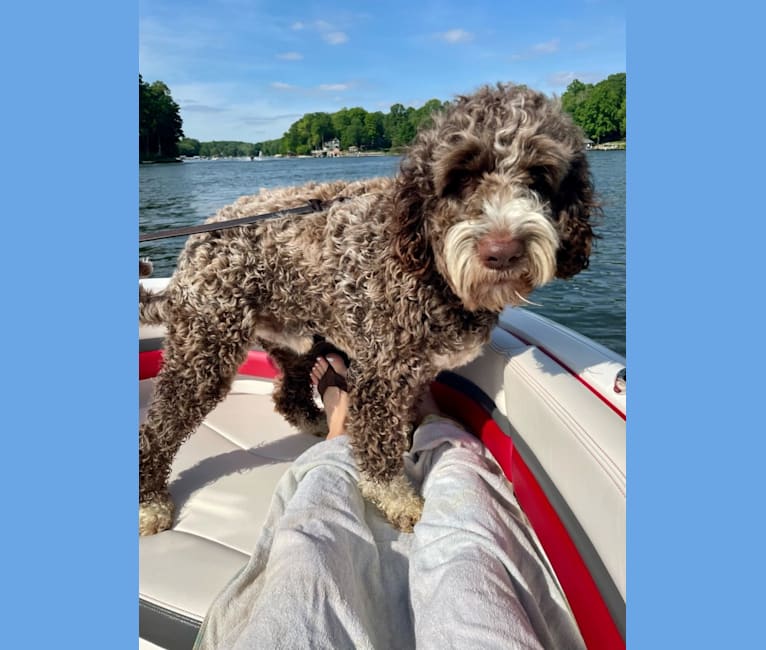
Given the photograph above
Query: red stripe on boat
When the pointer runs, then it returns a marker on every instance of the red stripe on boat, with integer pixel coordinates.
(149, 363)
(593, 618)
(257, 364)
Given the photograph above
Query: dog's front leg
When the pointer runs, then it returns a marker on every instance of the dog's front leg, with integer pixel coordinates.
(293, 394)
(199, 364)
(380, 424)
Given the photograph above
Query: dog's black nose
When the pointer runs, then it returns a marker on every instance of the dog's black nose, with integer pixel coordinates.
(498, 253)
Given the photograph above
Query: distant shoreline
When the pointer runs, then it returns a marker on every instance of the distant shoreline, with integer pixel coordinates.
(160, 161)
(604, 146)
(279, 156)
(608, 146)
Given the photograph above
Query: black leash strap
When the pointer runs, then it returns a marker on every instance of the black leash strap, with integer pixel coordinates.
(315, 205)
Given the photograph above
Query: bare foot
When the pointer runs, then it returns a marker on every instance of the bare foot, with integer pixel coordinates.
(334, 399)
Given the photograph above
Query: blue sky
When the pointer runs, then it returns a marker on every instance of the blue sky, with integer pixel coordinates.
(247, 69)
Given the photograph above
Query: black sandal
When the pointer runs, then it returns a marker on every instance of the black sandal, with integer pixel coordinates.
(330, 377)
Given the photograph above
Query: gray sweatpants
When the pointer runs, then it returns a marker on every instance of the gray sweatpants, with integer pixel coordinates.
(329, 572)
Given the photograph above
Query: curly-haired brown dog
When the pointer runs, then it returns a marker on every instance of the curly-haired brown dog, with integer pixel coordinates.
(406, 274)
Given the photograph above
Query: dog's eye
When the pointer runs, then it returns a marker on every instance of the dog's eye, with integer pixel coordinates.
(458, 183)
(541, 179)
(463, 170)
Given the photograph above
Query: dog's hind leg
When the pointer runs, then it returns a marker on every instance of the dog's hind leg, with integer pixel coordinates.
(293, 394)
(200, 361)
(380, 424)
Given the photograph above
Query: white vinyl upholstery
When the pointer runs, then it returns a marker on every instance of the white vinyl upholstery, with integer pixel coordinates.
(222, 482)
(579, 443)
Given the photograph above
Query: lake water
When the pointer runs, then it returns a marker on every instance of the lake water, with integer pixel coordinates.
(185, 194)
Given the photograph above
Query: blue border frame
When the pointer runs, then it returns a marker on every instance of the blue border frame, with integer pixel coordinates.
(70, 185)
(695, 332)
(694, 236)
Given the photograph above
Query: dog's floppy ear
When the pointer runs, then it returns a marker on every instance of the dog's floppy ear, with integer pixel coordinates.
(574, 206)
(409, 236)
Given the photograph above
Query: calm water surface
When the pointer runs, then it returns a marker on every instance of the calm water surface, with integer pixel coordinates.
(185, 194)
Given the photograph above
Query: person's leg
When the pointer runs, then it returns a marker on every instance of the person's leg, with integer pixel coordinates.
(319, 575)
(477, 578)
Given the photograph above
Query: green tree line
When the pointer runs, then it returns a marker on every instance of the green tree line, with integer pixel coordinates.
(159, 122)
(599, 109)
(352, 127)
(224, 148)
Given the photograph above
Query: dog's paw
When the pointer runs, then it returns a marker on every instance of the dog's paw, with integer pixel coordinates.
(313, 426)
(406, 514)
(155, 515)
(397, 499)
(145, 267)
(319, 432)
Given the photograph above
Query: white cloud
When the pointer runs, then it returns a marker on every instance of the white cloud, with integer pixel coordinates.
(193, 106)
(454, 36)
(549, 47)
(563, 79)
(290, 56)
(271, 119)
(536, 50)
(229, 111)
(328, 32)
(335, 38)
(280, 85)
(334, 87)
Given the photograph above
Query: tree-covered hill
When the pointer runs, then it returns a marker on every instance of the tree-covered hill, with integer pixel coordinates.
(600, 109)
(159, 122)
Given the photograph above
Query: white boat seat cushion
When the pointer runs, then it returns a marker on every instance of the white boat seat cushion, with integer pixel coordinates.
(222, 483)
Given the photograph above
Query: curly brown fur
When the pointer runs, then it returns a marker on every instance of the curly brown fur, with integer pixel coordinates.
(406, 275)
(292, 393)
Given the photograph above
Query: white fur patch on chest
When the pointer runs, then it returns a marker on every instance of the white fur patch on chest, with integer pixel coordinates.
(455, 359)
(300, 344)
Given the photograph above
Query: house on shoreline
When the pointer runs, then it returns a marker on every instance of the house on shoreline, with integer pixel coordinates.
(609, 146)
(329, 149)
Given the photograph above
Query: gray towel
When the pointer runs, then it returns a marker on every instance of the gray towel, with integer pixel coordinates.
(329, 572)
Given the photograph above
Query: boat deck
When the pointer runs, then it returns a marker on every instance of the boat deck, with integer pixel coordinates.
(541, 397)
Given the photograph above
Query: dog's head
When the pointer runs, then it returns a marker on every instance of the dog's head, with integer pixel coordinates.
(496, 196)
